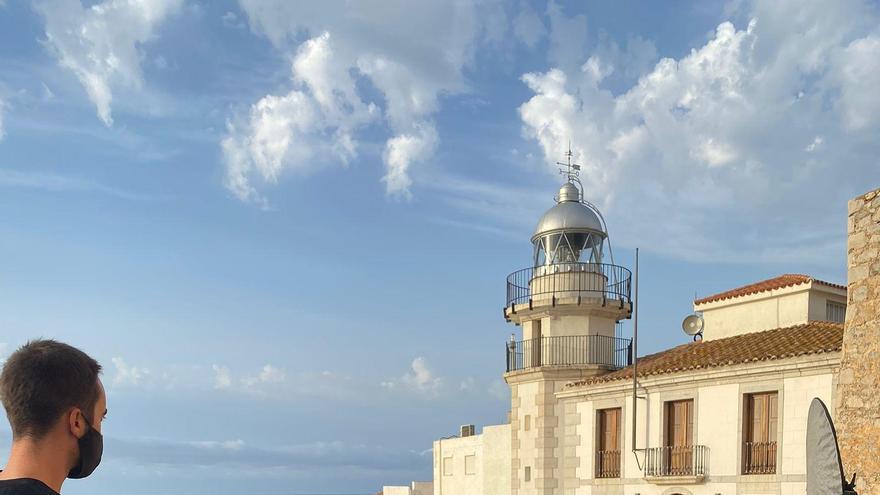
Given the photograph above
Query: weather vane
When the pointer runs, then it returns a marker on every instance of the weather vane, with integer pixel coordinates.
(571, 170)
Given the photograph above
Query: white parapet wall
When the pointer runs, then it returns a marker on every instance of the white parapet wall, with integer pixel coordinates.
(474, 465)
(417, 488)
(777, 308)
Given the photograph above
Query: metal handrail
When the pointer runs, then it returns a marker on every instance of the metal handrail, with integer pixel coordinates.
(609, 282)
(608, 464)
(686, 460)
(759, 457)
(613, 352)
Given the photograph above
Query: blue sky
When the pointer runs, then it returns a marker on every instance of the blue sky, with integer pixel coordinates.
(284, 228)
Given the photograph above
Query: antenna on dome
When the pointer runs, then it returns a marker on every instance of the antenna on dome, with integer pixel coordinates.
(572, 170)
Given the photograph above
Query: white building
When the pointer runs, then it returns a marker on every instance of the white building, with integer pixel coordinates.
(722, 415)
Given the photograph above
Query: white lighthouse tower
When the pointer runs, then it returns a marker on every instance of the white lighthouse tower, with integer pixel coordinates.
(568, 304)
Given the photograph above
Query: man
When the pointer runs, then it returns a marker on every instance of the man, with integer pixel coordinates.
(55, 403)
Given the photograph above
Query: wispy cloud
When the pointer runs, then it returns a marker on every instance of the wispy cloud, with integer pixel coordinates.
(222, 378)
(276, 383)
(241, 455)
(127, 375)
(52, 182)
(268, 375)
(101, 44)
(420, 379)
(245, 459)
(495, 208)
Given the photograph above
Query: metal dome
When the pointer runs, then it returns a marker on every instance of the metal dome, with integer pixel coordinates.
(569, 215)
(569, 192)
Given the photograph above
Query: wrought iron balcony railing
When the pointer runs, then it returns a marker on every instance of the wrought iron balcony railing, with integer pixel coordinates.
(608, 464)
(759, 457)
(688, 460)
(612, 352)
(551, 282)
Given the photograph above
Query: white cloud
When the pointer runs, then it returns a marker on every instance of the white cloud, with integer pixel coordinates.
(227, 445)
(126, 375)
(48, 95)
(267, 382)
(222, 377)
(636, 57)
(248, 459)
(318, 120)
(568, 36)
(856, 71)
(268, 375)
(401, 151)
(271, 374)
(101, 44)
(231, 20)
(528, 27)
(467, 384)
(709, 157)
(419, 379)
(307, 126)
(813, 146)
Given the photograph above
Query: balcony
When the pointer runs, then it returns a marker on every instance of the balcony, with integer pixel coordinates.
(676, 464)
(575, 350)
(608, 464)
(759, 457)
(549, 283)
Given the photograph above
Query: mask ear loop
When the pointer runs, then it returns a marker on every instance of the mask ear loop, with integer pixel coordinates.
(77, 470)
(88, 423)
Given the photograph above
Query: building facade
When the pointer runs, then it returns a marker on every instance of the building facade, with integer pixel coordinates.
(725, 414)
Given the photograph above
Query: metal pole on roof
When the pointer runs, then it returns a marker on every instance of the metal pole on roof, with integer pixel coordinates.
(635, 356)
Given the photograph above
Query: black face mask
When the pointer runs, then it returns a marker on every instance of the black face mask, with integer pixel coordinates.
(91, 446)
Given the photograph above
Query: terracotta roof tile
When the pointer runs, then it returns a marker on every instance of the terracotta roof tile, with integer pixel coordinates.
(780, 282)
(814, 337)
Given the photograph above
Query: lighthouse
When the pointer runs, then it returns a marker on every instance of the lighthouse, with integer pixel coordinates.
(567, 303)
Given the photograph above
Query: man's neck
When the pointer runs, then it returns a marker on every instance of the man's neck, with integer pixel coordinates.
(37, 459)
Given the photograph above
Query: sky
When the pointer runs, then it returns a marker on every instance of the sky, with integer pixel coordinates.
(284, 228)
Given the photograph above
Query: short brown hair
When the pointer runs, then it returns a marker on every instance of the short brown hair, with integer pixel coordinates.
(42, 380)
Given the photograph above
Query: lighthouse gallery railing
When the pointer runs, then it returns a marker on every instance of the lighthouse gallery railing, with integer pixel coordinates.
(612, 352)
(610, 282)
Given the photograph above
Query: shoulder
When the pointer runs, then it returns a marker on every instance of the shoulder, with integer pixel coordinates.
(25, 486)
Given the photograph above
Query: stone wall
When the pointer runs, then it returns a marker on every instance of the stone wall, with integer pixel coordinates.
(858, 396)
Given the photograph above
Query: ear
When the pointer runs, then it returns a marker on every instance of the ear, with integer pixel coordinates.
(76, 422)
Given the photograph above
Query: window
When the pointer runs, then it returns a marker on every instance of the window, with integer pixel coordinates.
(678, 451)
(527, 422)
(447, 466)
(760, 418)
(527, 473)
(608, 452)
(835, 311)
(470, 464)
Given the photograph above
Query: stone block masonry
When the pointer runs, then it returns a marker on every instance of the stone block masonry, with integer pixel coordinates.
(857, 403)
